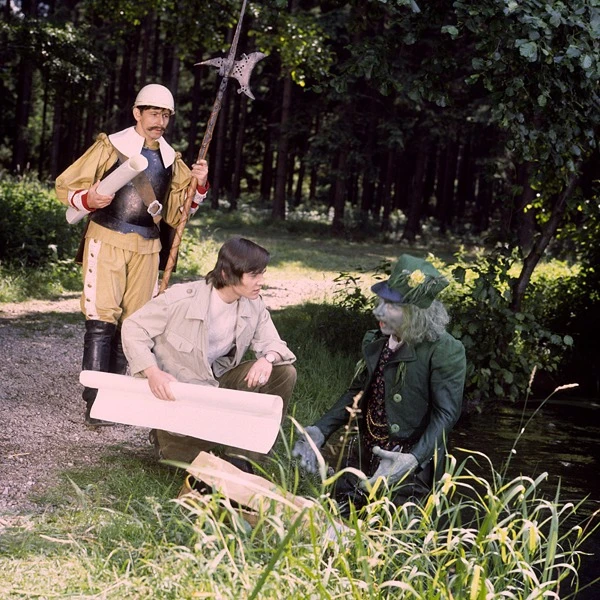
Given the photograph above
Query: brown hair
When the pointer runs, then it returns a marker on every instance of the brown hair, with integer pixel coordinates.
(236, 257)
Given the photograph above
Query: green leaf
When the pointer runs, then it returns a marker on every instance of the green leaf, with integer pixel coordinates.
(450, 29)
(529, 51)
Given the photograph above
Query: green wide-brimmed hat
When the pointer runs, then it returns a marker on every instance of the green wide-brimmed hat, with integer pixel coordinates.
(412, 281)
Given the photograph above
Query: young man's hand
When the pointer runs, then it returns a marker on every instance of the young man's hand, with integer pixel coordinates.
(159, 382)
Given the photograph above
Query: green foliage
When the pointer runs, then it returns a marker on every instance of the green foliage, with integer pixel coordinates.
(504, 348)
(33, 228)
(19, 283)
(299, 40)
(63, 52)
(540, 64)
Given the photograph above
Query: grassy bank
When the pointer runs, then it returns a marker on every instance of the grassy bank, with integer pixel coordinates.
(119, 534)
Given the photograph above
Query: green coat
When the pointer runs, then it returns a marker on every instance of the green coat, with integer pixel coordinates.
(424, 404)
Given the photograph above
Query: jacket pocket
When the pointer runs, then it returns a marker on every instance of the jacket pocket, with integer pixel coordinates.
(179, 343)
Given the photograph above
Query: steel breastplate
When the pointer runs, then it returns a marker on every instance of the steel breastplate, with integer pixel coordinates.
(128, 213)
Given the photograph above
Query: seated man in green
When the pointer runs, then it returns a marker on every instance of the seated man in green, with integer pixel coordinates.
(199, 333)
(406, 394)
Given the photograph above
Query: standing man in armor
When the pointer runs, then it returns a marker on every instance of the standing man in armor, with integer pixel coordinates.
(122, 239)
(406, 393)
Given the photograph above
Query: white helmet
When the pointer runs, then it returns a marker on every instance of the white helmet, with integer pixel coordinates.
(155, 95)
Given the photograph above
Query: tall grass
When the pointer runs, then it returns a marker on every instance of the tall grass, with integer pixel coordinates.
(475, 537)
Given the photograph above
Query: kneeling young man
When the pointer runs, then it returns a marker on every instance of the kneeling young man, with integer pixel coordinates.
(199, 333)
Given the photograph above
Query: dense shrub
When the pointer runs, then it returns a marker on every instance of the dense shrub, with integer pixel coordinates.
(504, 348)
(33, 228)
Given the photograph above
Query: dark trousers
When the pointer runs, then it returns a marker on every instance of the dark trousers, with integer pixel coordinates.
(415, 487)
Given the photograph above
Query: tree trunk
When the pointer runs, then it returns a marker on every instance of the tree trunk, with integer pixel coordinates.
(192, 150)
(412, 226)
(57, 161)
(290, 177)
(301, 174)
(541, 243)
(238, 166)
(429, 183)
(218, 160)
(314, 171)
(24, 92)
(266, 176)
(485, 198)
(524, 220)
(42, 153)
(445, 192)
(387, 199)
(339, 192)
(465, 190)
(127, 77)
(279, 201)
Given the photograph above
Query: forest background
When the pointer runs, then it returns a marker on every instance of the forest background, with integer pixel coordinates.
(396, 121)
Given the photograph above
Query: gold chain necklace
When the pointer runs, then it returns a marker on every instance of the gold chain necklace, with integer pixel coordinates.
(372, 424)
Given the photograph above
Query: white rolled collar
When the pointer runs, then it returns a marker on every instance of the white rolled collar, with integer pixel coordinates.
(129, 142)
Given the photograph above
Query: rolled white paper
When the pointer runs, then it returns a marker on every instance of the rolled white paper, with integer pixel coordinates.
(74, 215)
(114, 182)
(124, 174)
(246, 420)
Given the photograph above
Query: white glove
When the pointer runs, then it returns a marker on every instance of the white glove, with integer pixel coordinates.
(393, 466)
(303, 451)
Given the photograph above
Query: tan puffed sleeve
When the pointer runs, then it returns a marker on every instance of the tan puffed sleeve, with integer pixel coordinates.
(87, 169)
(179, 185)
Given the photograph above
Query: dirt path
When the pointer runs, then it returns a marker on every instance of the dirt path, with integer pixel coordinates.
(41, 409)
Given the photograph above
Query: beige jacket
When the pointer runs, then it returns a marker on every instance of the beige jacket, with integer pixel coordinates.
(171, 331)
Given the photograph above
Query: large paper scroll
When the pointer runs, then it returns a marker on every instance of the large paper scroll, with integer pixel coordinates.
(245, 420)
(113, 183)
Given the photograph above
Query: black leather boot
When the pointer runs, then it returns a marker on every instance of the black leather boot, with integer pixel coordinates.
(118, 361)
(97, 344)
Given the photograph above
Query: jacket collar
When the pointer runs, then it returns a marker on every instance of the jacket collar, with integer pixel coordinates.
(129, 142)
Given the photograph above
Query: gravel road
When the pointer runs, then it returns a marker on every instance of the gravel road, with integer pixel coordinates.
(41, 409)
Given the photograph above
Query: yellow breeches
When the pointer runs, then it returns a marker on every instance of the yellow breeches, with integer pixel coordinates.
(116, 282)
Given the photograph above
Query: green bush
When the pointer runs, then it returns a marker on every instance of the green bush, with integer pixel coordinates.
(33, 227)
(504, 348)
